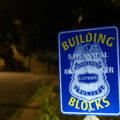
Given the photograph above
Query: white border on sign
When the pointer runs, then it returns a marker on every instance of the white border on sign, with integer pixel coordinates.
(60, 85)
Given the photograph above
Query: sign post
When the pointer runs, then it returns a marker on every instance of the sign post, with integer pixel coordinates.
(91, 118)
(89, 72)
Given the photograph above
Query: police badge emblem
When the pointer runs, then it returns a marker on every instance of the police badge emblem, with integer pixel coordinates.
(89, 81)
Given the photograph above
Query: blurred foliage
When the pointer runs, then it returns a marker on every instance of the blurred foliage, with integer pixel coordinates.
(49, 108)
(46, 111)
(11, 64)
(26, 35)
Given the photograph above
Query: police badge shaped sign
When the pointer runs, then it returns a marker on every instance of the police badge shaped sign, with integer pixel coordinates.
(89, 71)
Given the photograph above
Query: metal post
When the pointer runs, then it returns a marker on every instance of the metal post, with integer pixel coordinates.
(88, 117)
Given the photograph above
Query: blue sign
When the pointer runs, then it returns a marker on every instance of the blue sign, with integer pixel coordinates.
(89, 71)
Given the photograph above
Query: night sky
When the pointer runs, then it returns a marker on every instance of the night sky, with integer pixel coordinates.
(52, 17)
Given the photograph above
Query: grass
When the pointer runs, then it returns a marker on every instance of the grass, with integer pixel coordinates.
(47, 98)
(17, 114)
(48, 102)
(49, 108)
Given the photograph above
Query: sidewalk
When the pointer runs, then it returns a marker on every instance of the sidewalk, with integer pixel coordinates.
(17, 88)
(29, 112)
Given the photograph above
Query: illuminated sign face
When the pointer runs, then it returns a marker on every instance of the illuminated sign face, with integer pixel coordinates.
(89, 71)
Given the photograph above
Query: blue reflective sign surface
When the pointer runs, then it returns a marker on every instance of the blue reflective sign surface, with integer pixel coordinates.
(89, 71)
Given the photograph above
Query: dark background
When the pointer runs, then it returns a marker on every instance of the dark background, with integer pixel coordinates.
(41, 21)
(29, 49)
(32, 26)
